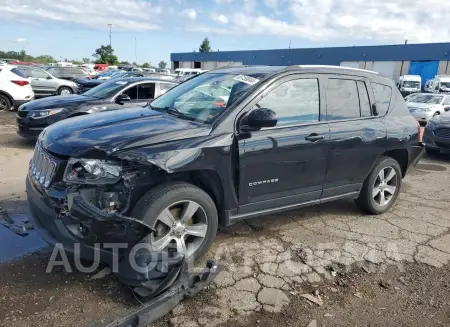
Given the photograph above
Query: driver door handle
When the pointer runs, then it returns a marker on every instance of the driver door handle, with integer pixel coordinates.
(314, 137)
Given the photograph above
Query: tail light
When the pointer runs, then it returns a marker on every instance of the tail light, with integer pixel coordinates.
(21, 83)
(419, 132)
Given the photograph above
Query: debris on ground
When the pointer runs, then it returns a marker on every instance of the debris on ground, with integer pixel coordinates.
(314, 299)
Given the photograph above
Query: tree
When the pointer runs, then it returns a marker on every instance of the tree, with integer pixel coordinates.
(134, 63)
(205, 47)
(105, 55)
(146, 65)
(86, 60)
(124, 62)
(44, 59)
(162, 64)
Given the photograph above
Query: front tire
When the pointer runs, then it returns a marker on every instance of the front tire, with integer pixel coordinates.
(5, 104)
(65, 91)
(381, 188)
(184, 217)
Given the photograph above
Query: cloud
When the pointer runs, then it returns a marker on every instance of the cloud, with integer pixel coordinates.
(220, 19)
(21, 40)
(136, 15)
(189, 13)
(271, 3)
(328, 20)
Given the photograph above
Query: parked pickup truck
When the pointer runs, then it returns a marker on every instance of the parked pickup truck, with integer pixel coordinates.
(168, 174)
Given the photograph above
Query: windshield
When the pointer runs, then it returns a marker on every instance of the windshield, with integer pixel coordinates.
(426, 98)
(106, 90)
(445, 85)
(206, 96)
(411, 84)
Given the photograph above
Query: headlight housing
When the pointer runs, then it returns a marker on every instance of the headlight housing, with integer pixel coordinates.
(92, 171)
(37, 114)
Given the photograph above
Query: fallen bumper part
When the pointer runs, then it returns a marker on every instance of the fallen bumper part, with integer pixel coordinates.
(174, 288)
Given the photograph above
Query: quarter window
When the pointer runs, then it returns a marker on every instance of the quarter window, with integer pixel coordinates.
(383, 95)
(342, 99)
(364, 102)
(294, 102)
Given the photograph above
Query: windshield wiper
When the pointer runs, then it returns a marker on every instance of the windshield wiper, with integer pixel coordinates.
(173, 111)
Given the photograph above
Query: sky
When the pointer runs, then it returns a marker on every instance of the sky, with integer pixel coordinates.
(149, 30)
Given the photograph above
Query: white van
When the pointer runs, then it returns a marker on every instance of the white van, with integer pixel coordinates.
(188, 71)
(440, 84)
(408, 84)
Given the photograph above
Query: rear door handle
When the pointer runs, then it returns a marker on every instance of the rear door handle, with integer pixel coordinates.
(314, 137)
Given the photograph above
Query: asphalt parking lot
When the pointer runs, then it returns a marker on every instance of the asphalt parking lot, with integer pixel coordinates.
(268, 264)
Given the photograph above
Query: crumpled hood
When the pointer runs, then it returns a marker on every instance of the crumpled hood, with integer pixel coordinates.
(112, 131)
(59, 101)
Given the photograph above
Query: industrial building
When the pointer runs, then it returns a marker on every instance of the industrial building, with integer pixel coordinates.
(426, 60)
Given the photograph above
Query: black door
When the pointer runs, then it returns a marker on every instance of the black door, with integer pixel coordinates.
(285, 164)
(357, 137)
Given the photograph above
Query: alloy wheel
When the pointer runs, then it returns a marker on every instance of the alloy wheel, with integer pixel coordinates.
(65, 92)
(385, 186)
(3, 104)
(181, 228)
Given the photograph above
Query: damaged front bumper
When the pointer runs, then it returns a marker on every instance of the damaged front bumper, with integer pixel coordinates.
(160, 281)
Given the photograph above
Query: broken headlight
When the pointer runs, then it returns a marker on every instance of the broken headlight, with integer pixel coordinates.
(92, 171)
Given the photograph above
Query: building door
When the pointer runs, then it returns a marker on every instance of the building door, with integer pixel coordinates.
(426, 69)
(386, 68)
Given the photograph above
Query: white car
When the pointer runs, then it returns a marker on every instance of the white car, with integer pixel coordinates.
(15, 88)
(424, 106)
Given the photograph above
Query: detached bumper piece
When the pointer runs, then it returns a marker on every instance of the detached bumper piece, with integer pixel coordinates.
(177, 285)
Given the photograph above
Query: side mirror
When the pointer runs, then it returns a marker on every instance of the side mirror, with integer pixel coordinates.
(260, 118)
(446, 109)
(123, 98)
(48, 77)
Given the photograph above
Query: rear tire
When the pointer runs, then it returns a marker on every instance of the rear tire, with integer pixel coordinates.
(179, 200)
(65, 91)
(381, 188)
(5, 103)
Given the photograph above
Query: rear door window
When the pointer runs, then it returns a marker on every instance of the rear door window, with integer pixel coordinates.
(364, 102)
(146, 91)
(383, 94)
(342, 99)
(37, 73)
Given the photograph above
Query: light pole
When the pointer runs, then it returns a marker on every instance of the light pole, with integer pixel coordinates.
(110, 26)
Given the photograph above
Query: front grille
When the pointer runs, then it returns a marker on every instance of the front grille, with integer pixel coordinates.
(442, 145)
(42, 166)
(443, 132)
(22, 113)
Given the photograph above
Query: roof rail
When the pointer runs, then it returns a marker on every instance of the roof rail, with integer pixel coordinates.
(333, 67)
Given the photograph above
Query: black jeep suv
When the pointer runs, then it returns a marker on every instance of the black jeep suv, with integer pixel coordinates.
(226, 145)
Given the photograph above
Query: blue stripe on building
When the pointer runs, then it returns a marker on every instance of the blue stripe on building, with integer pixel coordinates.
(324, 56)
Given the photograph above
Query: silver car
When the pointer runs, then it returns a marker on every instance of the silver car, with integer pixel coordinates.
(43, 83)
(424, 106)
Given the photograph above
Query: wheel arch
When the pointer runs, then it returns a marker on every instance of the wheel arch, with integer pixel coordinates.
(10, 98)
(399, 155)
